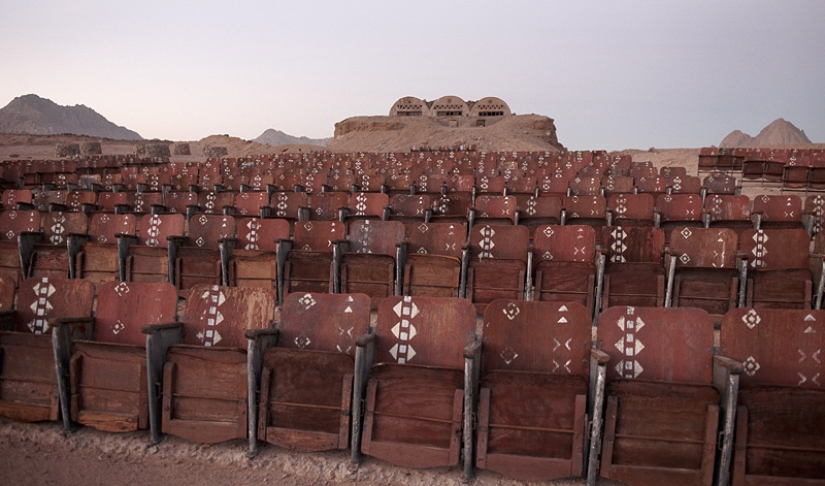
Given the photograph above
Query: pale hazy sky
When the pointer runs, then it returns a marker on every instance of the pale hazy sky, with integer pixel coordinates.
(613, 74)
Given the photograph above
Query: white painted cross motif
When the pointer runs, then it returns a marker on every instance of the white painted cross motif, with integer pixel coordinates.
(41, 307)
(629, 345)
(404, 330)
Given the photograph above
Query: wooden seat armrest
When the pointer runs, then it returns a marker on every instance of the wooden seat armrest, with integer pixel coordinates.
(253, 334)
(472, 350)
(365, 339)
(153, 328)
(733, 366)
(600, 356)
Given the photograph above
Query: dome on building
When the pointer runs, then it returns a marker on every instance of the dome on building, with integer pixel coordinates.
(449, 106)
(410, 106)
(489, 107)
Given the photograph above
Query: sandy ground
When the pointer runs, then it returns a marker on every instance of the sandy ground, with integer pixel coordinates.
(41, 454)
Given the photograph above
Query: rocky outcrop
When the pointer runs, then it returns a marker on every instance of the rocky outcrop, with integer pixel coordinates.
(276, 137)
(778, 133)
(33, 115)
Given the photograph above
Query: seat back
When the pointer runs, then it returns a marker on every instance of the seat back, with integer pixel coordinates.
(375, 237)
(775, 249)
(633, 244)
(654, 344)
(14, 222)
(424, 331)
(410, 206)
(323, 322)
(123, 307)
(219, 316)
(261, 234)
(496, 207)
(325, 205)
(704, 247)
(103, 227)
(499, 242)
(435, 238)
(206, 230)
(288, 204)
(155, 228)
(250, 203)
(42, 299)
(564, 243)
(541, 337)
(318, 236)
(58, 225)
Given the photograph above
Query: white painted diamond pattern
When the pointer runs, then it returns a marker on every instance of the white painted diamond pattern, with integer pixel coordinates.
(118, 327)
(404, 330)
(685, 259)
(548, 232)
(508, 355)
(759, 251)
(122, 289)
(629, 345)
(41, 307)
(751, 366)
(686, 233)
(751, 319)
(307, 301)
(487, 243)
(511, 310)
(302, 341)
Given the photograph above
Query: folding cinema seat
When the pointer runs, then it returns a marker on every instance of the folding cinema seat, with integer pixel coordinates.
(498, 264)
(371, 182)
(639, 170)
(44, 200)
(520, 184)
(662, 417)
(251, 204)
(102, 376)
(554, 185)
(46, 252)
(720, 183)
(400, 183)
(290, 206)
(112, 202)
(28, 382)
(566, 265)
(148, 256)
(420, 386)
(311, 265)
(205, 377)
(18, 199)
(435, 260)
(452, 207)
(100, 256)
(80, 200)
(630, 209)
(365, 206)
(585, 210)
(410, 208)
(493, 185)
(684, 184)
(260, 253)
(202, 256)
(813, 214)
(327, 206)
(634, 272)
(672, 173)
(494, 210)
(535, 373)
(14, 222)
(704, 270)
(728, 211)
(797, 172)
(215, 202)
(778, 268)
(306, 386)
(676, 211)
(146, 202)
(372, 259)
(535, 211)
(777, 212)
(342, 181)
(654, 185)
(585, 186)
(617, 185)
(780, 397)
(185, 203)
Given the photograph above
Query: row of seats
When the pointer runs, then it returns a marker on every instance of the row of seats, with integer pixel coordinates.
(714, 268)
(791, 169)
(532, 391)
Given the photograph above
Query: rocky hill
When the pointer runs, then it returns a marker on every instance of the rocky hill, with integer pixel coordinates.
(276, 137)
(778, 133)
(401, 134)
(33, 115)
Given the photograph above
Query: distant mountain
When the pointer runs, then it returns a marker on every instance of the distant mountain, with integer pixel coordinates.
(276, 137)
(777, 133)
(33, 115)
